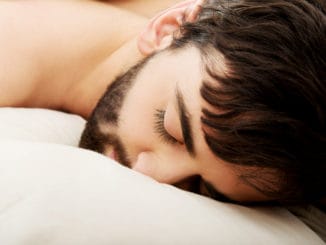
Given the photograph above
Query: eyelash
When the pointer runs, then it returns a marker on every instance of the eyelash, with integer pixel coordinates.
(159, 127)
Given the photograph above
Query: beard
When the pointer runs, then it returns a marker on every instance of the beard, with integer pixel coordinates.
(107, 112)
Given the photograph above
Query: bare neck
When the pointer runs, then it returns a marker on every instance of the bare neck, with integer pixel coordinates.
(82, 98)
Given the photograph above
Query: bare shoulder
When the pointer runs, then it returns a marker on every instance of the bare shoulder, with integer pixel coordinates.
(47, 47)
(143, 7)
(16, 60)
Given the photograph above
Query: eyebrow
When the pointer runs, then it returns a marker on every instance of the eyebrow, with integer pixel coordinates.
(185, 123)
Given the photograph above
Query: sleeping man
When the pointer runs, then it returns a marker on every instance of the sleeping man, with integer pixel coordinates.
(223, 98)
(232, 105)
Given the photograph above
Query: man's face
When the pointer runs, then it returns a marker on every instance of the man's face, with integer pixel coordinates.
(150, 122)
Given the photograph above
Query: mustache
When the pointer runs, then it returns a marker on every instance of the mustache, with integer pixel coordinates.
(120, 151)
(93, 139)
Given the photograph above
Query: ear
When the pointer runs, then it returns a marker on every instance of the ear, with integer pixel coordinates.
(159, 32)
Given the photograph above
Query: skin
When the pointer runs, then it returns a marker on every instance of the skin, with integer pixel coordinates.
(45, 65)
(146, 8)
(155, 88)
(48, 66)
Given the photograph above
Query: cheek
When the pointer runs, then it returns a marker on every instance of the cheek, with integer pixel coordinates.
(136, 124)
(136, 131)
(136, 119)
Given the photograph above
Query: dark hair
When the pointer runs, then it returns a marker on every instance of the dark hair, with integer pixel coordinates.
(270, 105)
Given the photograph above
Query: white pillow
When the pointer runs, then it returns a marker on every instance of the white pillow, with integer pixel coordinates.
(58, 194)
(40, 125)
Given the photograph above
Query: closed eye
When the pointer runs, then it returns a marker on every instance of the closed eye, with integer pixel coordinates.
(160, 129)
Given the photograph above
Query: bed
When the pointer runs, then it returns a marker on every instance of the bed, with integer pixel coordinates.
(55, 193)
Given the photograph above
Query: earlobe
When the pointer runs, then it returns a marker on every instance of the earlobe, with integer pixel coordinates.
(159, 32)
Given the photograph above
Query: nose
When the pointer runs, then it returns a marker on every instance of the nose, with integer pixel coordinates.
(166, 168)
